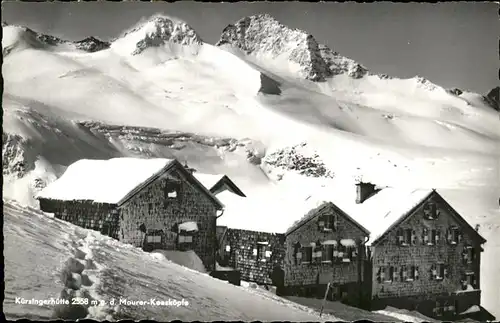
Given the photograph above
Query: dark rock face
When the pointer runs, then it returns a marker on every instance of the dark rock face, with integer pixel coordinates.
(91, 44)
(263, 35)
(493, 98)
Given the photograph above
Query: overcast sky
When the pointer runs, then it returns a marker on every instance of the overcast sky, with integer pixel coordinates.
(451, 44)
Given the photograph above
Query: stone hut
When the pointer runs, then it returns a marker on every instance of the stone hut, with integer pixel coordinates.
(421, 254)
(149, 203)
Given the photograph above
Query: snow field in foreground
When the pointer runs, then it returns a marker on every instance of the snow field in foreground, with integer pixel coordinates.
(77, 263)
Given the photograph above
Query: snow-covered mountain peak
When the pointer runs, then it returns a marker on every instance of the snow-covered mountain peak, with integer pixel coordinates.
(425, 83)
(156, 32)
(263, 36)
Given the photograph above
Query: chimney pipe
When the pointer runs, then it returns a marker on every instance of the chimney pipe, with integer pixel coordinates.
(364, 191)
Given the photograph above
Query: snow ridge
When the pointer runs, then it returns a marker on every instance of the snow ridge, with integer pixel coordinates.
(42, 41)
(263, 35)
(157, 31)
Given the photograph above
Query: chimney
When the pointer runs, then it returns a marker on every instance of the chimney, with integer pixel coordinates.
(189, 169)
(364, 191)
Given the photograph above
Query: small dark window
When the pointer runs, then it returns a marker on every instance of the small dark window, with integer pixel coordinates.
(328, 222)
(172, 190)
(431, 211)
(441, 271)
(297, 254)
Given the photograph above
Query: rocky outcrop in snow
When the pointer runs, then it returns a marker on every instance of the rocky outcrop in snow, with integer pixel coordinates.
(493, 98)
(291, 158)
(14, 158)
(91, 44)
(264, 35)
(455, 91)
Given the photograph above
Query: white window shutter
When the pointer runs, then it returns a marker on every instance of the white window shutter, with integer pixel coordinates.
(254, 252)
(228, 248)
(268, 253)
(188, 239)
(181, 239)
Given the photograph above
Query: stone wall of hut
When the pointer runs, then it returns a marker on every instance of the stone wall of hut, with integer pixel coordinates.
(100, 217)
(254, 254)
(157, 210)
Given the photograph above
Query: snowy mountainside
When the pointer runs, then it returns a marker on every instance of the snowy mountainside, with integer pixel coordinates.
(298, 58)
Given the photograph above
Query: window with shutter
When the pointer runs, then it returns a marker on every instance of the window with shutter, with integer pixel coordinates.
(400, 237)
(327, 253)
(425, 236)
(454, 233)
(392, 273)
(381, 276)
(317, 252)
(413, 273)
(440, 272)
(433, 272)
(185, 240)
(172, 190)
(433, 236)
(153, 240)
(307, 254)
(471, 254)
(262, 249)
(327, 222)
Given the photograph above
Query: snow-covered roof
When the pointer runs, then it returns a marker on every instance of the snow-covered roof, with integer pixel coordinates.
(208, 180)
(274, 214)
(376, 215)
(384, 209)
(103, 181)
(379, 212)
